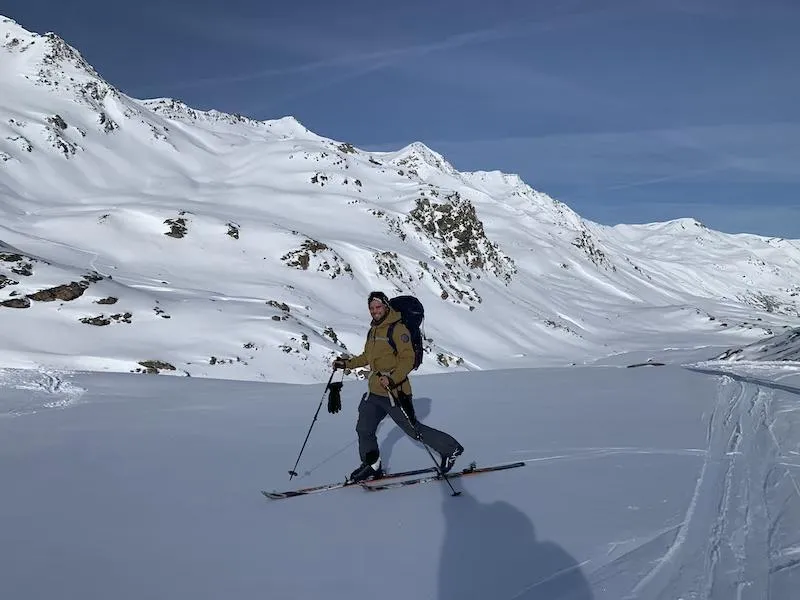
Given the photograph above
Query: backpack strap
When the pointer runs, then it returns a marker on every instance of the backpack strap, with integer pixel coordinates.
(390, 336)
(390, 339)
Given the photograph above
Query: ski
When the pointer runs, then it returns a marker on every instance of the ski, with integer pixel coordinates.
(378, 484)
(335, 486)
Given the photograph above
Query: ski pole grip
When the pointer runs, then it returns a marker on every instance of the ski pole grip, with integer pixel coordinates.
(388, 389)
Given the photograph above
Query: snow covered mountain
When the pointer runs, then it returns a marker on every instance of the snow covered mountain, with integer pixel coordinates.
(144, 235)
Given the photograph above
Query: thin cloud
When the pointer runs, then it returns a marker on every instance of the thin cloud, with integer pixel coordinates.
(514, 85)
(378, 59)
(679, 176)
(316, 85)
(369, 60)
(724, 9)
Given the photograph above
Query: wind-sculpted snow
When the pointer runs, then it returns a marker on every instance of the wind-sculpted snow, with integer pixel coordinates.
(42, 390)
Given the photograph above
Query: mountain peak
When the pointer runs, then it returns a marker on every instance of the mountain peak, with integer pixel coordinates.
(48, 53)
(496, 178)
(685, 224)
(10, 28)
(420, 159)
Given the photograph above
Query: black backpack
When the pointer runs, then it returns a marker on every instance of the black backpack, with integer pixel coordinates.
(411, 315)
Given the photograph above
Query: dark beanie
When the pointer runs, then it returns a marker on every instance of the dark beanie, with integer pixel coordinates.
(378, 295)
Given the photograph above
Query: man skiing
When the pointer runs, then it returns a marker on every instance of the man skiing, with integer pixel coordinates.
(390, 392)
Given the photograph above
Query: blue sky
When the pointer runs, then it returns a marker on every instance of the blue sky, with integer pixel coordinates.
(628, 111)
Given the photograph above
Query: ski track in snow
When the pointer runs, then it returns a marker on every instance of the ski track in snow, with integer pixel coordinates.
(588, 453)
(728, 544)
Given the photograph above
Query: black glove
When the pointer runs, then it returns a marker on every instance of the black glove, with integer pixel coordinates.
(339, 363)
(334, 397)
(404, 400)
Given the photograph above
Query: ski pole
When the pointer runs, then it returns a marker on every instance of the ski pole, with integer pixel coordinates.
(293, 473)
(419, 437)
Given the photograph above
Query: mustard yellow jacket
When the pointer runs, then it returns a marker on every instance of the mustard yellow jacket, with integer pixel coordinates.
(380, 357)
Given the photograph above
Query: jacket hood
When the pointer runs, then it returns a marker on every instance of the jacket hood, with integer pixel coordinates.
(391, 317)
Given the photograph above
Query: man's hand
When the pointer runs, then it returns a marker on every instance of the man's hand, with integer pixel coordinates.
(386, 382)
(339, 363)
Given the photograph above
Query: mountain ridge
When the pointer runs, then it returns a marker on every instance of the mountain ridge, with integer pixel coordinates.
(234, 247)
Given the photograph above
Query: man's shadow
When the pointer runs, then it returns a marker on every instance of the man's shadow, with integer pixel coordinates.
(491, 553)
(422, 408)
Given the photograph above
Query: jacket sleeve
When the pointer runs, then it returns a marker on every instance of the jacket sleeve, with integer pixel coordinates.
(362, 360)
(405, 353)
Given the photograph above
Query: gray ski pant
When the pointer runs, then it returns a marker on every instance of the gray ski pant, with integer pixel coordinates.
(372, 410)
